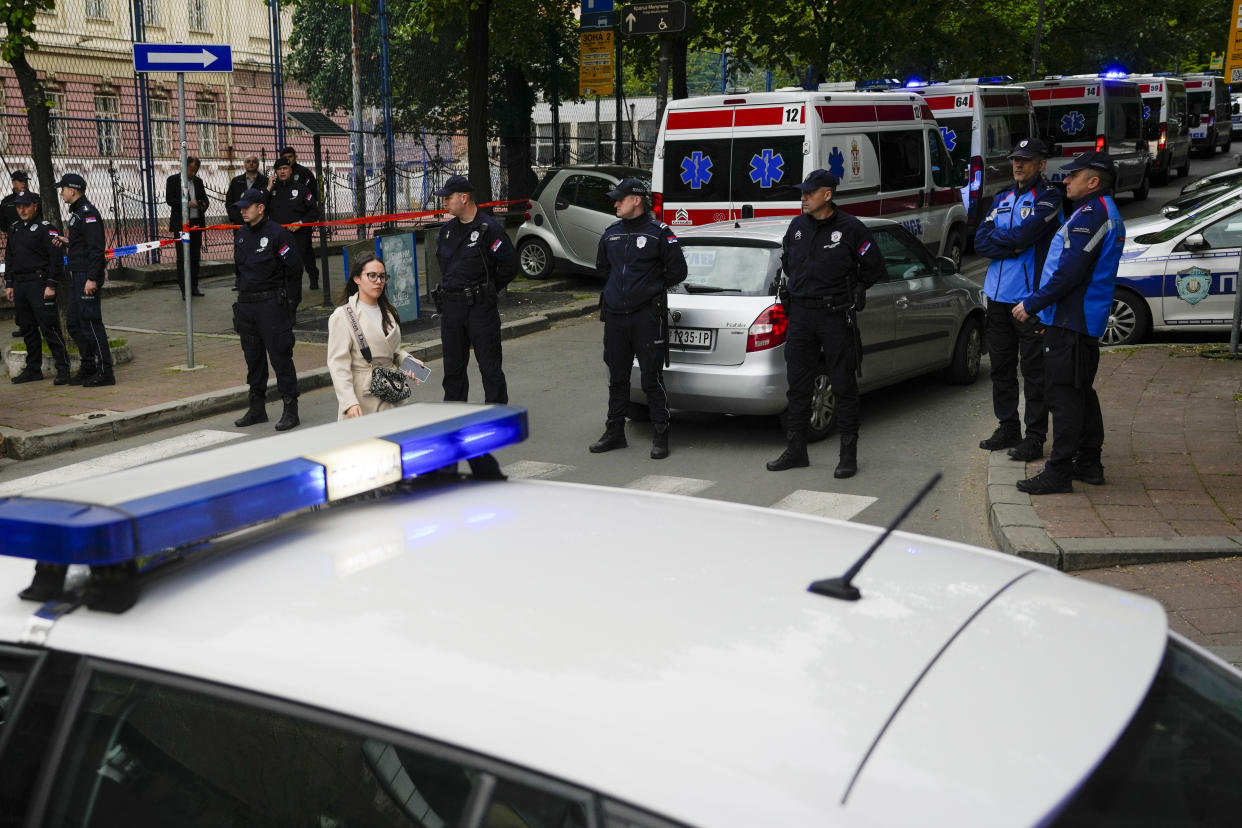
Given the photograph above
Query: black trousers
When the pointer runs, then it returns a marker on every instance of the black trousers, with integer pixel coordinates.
(305, 241)
(38, 320)
(1010, 344)
(630, 335)
(1070, 362)
(814, 332)
(196, 256)
(462, 326)
(85, 321)
(266, 333)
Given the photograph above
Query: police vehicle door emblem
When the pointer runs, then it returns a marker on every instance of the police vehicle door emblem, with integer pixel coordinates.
(1194, 285)
(836, 236)
(1025, 212)
(642, 241)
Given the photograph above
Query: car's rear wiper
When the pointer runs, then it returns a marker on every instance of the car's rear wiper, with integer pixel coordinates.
(691, 287)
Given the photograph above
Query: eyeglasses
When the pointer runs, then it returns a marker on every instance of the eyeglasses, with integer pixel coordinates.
(377, 277)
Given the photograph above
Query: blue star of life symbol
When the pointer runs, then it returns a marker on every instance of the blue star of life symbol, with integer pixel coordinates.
(950, 138)
(766, 168)
(1146, 112)
(836, 163)
(1072, 122)
(696, 170)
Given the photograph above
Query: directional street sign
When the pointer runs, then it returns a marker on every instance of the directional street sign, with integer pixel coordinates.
(596, 21)
(654, 18)
(180, 57)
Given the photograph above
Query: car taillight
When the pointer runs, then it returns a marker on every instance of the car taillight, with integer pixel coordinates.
(525, 216)
(768, 330)
(1100, 144)
(1164, 136)
(657, 205)
(976, 176)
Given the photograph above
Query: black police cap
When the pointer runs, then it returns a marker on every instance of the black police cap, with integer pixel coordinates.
(25, 197)
(817, 179)
(1029, 148)
(71, 180)
(455, 184)
(629, 187)
(251, 196)
(1091, 160)
(20, 175)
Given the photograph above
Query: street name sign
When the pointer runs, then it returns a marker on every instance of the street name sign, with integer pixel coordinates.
(181, 57)
(654, 18)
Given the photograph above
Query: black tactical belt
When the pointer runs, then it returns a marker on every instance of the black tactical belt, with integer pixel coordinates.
(817, 303)
(27, 276)
(249, 296)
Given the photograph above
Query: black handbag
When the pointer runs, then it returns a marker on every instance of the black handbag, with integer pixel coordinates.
(387, 384)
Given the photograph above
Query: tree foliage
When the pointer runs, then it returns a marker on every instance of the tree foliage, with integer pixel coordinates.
(19, 17)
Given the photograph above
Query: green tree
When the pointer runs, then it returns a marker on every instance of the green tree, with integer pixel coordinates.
(20, 23)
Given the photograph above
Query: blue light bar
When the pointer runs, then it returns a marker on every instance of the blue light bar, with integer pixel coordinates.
(913, 82)
(1114, 74)
(133, 514)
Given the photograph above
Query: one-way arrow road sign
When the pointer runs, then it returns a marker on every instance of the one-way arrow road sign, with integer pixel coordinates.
(178, 57)
(654, 18)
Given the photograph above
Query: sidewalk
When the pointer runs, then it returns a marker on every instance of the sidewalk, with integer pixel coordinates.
(1168, 521)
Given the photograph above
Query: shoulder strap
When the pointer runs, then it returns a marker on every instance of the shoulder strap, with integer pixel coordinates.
(362, 340)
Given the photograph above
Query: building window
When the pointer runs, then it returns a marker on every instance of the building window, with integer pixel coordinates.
(206, 112)
(107, 124)
(57, 127)
(97, 9)
(151, 13)
(161, 127)
(198, 16)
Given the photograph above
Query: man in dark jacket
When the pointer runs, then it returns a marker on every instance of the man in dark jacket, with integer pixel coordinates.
(251, 179)
(829, 261)
(640, 259)
(192, 239)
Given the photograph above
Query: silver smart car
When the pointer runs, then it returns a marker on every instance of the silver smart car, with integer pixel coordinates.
(727, 329)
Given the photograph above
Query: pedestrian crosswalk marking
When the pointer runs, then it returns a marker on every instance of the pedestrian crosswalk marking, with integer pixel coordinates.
(824, 504)
(119, 460)
(535, 470)
(670, 485)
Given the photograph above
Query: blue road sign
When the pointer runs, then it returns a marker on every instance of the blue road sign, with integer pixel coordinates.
(179, 57)
(592, 21)
(590, 6)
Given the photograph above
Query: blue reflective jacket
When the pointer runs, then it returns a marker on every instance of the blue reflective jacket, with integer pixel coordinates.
(1015, 236)
(1076, 286)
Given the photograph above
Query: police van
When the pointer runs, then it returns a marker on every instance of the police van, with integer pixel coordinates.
(1235, 108)
(1165, 108)
(981, 120)
(1210, 122)
(1089, 112)
(722, 157)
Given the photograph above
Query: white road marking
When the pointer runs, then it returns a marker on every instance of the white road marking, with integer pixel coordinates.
(119, 460)
(535, 470)
(670, 485)
(824, 504)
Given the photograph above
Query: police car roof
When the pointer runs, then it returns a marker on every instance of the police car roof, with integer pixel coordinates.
(663, 650)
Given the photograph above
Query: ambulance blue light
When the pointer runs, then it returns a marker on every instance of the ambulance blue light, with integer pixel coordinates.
(913, 82)
(1114, 74)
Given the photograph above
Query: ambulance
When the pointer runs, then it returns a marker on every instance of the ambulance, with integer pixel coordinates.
(1091, 112)
(981, 120)
(1164, 117)
(1210, 123)
(723, 157)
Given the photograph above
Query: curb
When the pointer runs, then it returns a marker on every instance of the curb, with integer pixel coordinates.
(1017, 530)
(26, 445)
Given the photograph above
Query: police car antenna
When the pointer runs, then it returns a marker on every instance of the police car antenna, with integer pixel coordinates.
(841, 587)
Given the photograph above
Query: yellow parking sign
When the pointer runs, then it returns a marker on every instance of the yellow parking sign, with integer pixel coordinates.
(595, 72)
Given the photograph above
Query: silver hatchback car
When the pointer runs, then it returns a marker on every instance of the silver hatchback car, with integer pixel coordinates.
(727, 329)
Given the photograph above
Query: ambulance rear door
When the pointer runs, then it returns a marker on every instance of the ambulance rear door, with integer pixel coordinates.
(954, 111)
(770, 149)
(693, 163)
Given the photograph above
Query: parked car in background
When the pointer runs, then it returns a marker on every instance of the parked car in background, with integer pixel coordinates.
(727, 329)
(567, 215)
(1233, 175)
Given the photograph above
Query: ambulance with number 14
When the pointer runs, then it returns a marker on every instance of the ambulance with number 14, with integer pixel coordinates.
(723, 157)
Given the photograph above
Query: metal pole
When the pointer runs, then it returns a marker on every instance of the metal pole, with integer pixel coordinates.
(184, 237)
(355, 135)
(556, 95)
(390, 170)
(598, 127)
(617, 92)
(323, 231)
(1237, 317)
(666, 44)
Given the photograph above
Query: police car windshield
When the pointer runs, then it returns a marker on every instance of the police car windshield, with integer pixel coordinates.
(1191, 220)
(715, 266)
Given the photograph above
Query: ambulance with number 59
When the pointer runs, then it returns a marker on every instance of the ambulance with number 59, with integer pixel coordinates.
(723, 157)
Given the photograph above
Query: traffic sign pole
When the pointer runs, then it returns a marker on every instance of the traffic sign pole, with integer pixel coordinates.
(183, 237)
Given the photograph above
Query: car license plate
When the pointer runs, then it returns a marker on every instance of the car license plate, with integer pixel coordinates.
(691, 338)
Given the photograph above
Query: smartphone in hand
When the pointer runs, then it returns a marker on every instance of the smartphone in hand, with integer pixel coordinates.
(421, 372)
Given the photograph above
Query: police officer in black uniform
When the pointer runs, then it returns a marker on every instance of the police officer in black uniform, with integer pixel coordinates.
(268, 266)
(291, 202)
(8, 213)
(477, 261)
(86, 267)
(302, 176)
(304, 179)
(32, 264)
(640, 258)
(829, 260)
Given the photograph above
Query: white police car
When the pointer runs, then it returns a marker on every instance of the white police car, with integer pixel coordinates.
(1178, 275)
(445, 652)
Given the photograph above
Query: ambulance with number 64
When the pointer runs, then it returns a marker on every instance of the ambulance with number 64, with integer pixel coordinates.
(723, 157)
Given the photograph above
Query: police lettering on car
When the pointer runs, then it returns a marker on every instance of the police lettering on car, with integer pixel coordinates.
(293, 202)
(268, 269)
(829, 261)
(640, 258)
(1073, 301)
(32, 266)
(1015, 236)
(87, 261)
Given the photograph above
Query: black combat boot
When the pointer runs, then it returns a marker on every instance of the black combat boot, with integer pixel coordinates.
(1088, 468)
(794, 455)
(289, 416)
(28, 375)
(62, 377)
(103, 377)
(659, 443)
(848, 464)
(255, 414)
(613, 438)
(1005, 437)
(84, 373)
(484, 467)
(1046, 482)
(1031, 448)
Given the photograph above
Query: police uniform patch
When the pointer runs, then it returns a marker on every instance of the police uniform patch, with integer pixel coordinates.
(474, 236)
(295, 193)
(836, 236)
(797, 235)
(1194, 285)
(642, 241)
(1025, 212)
(263, 242)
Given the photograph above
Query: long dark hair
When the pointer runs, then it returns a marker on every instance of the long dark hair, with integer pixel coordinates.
(351, 287)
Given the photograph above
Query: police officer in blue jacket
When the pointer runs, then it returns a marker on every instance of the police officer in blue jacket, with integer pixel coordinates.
(829, 261)
(1073, 302)
(639, 258)
(269, 269)
(87, 260)
(1015, 236)
(32, 266)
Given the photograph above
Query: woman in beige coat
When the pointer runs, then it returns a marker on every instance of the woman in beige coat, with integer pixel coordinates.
(351, 373)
